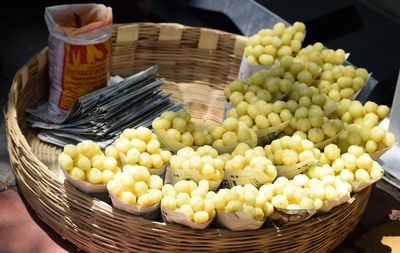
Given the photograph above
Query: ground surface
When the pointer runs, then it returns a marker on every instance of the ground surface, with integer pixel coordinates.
(366, 29)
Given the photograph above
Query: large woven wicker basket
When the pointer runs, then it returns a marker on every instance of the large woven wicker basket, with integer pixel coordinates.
(197, 63)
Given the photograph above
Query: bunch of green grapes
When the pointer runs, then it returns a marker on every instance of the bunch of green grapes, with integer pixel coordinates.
(310, 123)
(231, 132)
(290, 150)
(367, 115)
(320, 55)
(352, 166)
(306, 96)
(245, 158)
(302, 90)
(327, 187)
(329, 154)
(338, 82)
(86, 162)
(371, 140)
(270, 44)
(141, 147)
(190, 199)
(135, 186)
(301, 71)
(205, 160)
(264, 85)
(179, 127)
(247, 199)
(293, 194)
(260, 115)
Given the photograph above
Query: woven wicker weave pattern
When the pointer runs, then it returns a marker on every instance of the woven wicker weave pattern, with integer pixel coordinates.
(198, 62)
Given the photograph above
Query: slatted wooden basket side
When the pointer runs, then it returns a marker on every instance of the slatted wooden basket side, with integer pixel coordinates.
(201, 57)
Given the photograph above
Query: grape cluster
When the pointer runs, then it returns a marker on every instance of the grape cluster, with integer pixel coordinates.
(86, 162)
(264, 85)
(294, 194)
(270, 44)
(371, 140)
(353, 166)
(308, 96)
(330, 153)
(290, 150)
(190, 199)
(339, 82)
(245, 158)
(310, 120)
(204, 160)
(179, 127)
(316, 128)
(135, 186)
(320, 55)
(328, 188)
(367, 115)
(141, 147)
(261, 115)
(301, 71)
(231, 132)
(361, 125)
(248, 199)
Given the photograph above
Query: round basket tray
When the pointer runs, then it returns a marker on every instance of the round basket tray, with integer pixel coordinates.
(197, 63)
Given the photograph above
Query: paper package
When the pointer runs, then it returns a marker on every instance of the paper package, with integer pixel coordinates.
(285, 217)
(85, 186)
(238, 221)
(79, 52)
(148, 212)
(179, 218)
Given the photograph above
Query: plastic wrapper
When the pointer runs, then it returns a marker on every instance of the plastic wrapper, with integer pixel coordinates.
(242, 177)
(246, 69)
(330, 204)
(333, 139)
(148, 212)
(359, 186)
(167, 142)
(375, 155)
(282, 96)
(229, 149)
(284, 217)
(160, 171)
(266, 135)
(79, 52)
(85, 186)
(238, 221)
(179, 218)
(173, 176)
(227, 107)
(354, 97)
(291, 171)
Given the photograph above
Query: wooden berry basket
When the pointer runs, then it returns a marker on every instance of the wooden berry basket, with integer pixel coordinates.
(198, 63)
